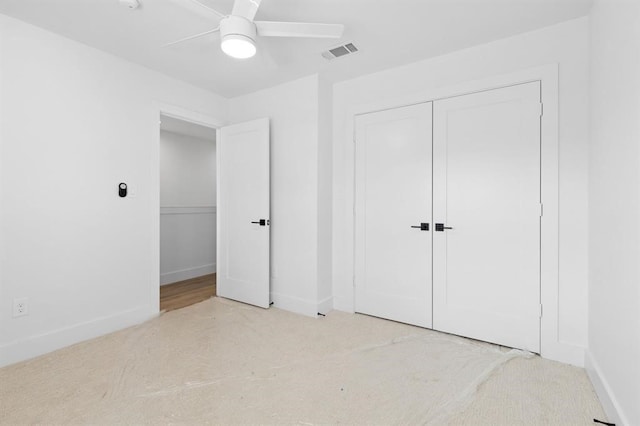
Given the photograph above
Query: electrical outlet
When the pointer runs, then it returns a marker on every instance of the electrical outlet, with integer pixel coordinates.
(20, 307)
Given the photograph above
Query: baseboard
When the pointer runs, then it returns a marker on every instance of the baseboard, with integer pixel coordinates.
(563, 352)
(605, 394)
(325, 305)
(294, 304)
(34, 346)
(343, 304)
(185, 274)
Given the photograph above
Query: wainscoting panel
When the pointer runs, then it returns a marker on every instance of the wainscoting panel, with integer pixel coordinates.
(187, 242)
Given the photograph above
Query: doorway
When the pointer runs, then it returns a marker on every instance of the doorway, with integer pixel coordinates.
(241, 210)
(188, 208)
(453, 185)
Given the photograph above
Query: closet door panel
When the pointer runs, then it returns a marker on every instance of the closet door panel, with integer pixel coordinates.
(393, 198)
(486, 151)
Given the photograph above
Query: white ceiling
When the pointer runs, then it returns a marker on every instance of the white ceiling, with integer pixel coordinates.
(174, 125)
(387, 32)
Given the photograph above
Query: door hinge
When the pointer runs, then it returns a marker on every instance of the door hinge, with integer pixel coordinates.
(353, 280)
(541, 209)
(540, 313)
(541, 109)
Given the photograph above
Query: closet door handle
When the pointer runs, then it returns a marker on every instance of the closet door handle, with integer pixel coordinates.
(262, 222)
(423, 226)
(440, 227)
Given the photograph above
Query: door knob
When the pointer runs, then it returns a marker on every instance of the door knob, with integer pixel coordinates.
(440, 227)
(423, 226)
(261, 222)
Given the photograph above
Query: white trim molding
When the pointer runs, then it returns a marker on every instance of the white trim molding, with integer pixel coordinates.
(186, 274)
(188, 210)
(297, 305)
(605, 394)
(50, 341)
(325, 305)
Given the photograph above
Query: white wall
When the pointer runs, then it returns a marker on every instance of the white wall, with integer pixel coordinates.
(613, 359)
(187, 207)
(565, 44)
(293, 112)
(187, 171)
(187, 243)
(75, 122)
(325, 194)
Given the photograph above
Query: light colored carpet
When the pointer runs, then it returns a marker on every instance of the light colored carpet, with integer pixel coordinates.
(222, 362)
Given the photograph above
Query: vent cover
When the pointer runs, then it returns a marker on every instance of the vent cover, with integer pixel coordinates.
(339, 51)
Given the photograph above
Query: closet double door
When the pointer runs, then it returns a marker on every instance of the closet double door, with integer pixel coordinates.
(447, 215)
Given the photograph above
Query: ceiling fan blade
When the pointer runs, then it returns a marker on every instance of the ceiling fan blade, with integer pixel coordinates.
(265, 57)
(298, 29)
(192, 37)
(198, 8)
(246, 8)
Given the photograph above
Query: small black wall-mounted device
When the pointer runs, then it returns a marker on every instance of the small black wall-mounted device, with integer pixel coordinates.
(122, 189)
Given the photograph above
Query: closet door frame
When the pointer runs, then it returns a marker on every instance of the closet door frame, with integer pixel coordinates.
(551, 346)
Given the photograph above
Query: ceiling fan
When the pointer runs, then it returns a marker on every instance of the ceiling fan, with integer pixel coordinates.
(239, 32)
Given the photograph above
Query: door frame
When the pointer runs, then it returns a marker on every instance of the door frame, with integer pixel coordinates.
(173, 111)
(551, 346)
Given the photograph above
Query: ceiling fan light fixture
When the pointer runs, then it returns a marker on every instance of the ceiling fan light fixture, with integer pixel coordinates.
(238, 46)
(238, 37)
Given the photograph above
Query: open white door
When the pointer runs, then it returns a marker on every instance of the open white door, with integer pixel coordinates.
(486, 209)
(243, 213)
(393, 214)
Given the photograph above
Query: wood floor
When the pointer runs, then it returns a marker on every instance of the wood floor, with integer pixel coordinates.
(186, 293)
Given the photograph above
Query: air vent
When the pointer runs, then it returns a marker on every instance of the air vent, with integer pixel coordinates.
(339, 51)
